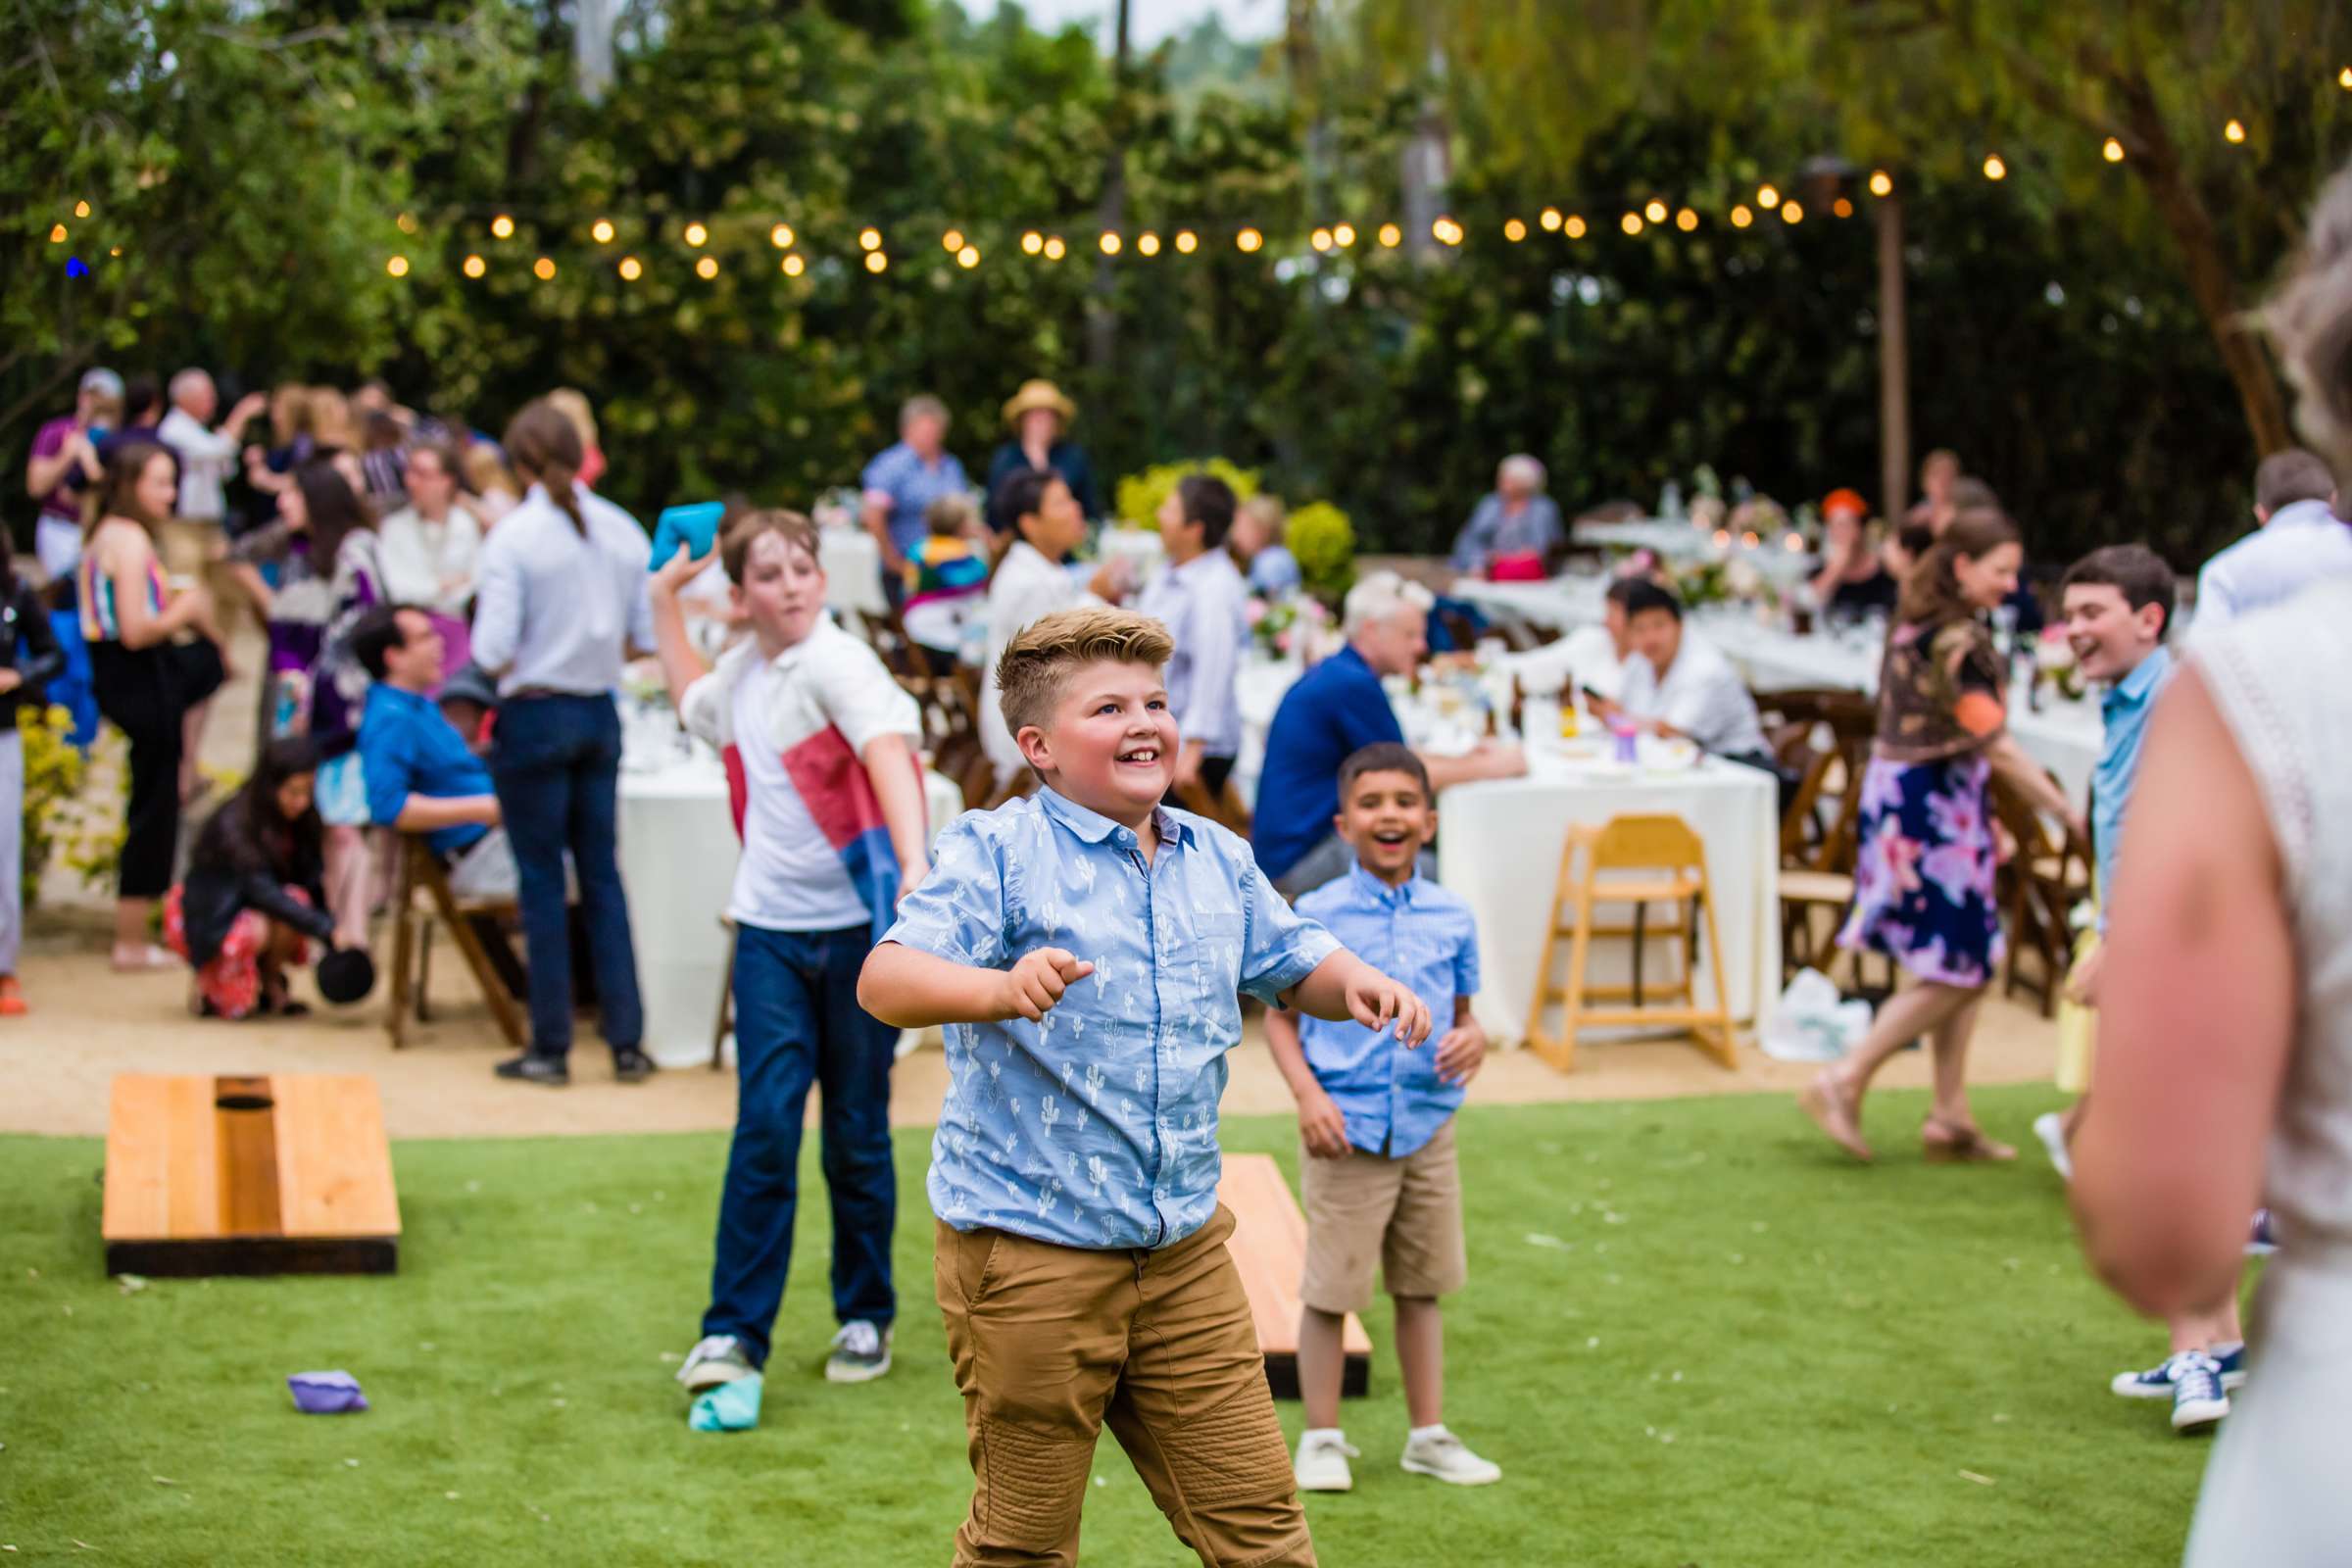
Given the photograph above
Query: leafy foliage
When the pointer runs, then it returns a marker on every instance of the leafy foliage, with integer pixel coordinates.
(1322, 541)
(1141, 495)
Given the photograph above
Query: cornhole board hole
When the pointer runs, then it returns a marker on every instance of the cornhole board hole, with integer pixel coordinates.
(1269, 1248)
(286, 1174)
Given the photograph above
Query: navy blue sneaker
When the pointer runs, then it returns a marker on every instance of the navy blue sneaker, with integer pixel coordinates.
(2162, 1381)
(2198, 1399)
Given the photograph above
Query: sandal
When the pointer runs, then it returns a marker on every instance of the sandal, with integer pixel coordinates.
(1825, 1101)
(1942, 1142)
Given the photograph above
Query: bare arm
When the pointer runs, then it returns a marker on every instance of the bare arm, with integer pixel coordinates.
(908, 988)
(1486, 761)
(2197, 1021)
(1321, 1127)
(897, 781)
(44, 474)
(139, 628)
(2031, 780)
(681, 666)
(1343, 986)
(256, 586)
(876, 510)
(425, 813)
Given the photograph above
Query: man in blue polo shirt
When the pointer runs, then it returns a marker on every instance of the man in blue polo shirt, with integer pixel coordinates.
(421, 775)
(1336, 709)
(903, 481)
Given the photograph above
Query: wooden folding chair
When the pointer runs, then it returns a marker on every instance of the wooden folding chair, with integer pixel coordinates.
(2046, 877)
(1594, 871)
(1821, 832)
(419, 870)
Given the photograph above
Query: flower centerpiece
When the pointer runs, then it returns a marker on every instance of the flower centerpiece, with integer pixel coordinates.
(1293, 626)
(2054, 662)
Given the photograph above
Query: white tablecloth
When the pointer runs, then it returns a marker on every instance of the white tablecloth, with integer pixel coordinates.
(2062, 736)
(852, 564)
(1499, 844)
(677, 862)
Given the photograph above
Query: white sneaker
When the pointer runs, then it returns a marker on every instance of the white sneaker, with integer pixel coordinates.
(719, 1358)
(1442, 1455)
(2051, 1128)
(861, 1353)
(1322, 1463)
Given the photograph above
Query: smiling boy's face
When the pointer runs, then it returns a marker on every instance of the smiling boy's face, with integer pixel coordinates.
(1109, 742)
(1385, 817)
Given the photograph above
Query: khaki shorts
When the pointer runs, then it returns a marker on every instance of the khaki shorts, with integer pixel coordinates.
(1402, 1215)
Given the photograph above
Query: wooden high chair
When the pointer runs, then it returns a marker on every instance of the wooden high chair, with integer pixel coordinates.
(1676, 861)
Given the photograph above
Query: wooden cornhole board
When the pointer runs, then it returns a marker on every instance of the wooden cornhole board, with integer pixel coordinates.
(281, 1175)
(1269, 1249)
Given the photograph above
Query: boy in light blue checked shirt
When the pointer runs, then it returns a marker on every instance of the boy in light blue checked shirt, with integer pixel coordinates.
(1085, 949)
(1377, 1170)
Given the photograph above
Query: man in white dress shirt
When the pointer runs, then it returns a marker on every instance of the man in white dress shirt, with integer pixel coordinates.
(1679, 684)
(192, 537)
(1201, 598)
(2300, 540)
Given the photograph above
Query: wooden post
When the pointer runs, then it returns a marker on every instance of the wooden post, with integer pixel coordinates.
(1895, 366)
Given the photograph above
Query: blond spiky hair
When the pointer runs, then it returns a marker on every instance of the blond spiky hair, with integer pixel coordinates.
(1038, 663)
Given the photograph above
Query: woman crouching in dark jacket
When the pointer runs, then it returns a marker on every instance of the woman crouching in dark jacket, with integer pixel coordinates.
(254, 890)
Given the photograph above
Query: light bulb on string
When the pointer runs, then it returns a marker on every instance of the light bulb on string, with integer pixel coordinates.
(1111, 242)
(405, 223)
(1032, 242)
(1842, 207)
(1574, 228)
(1055, 249)
(869, 239)
(1550, 219)
(780, 236)
(601, 231)
(1390, 236)
(1994, 168)
(2235, 132)
(1741, 216)
(1248, 240)
(1186, 242)
(951, 241)
(1766, 197)
(2343, 78)
(57, 234)
(707, 269)
(1881, 184)
(501, 226)
(1320, 239)
(1793, 211)
(2112, 150)
(1655, 210)
(630, 269)
(397, 265)
(1342, 234)
(967, 257)
(1514, 230)
(876, 262)
(1631, 222)
(83, 210)
(475, 267)
(793, 266)
(1686, 221)
(545, 268)
(1146, 243)
(696, 233)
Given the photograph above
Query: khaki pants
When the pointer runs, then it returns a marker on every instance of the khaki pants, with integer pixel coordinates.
(1050, 1342)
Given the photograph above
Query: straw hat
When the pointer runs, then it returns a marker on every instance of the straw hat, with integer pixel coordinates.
(1038, 394)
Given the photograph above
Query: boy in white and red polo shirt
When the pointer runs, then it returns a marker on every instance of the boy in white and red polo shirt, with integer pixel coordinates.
(827, 791)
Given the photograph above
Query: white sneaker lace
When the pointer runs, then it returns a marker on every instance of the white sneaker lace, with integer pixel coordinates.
(710, 1348)
(2186, 1364)
(859, 1338)
(1335, 1446)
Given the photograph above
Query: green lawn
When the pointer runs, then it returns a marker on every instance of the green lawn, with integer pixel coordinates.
(1691, 1337)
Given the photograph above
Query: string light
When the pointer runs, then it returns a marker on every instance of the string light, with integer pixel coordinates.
(1723, 538)
(2343, 78)
(1994, 168)
(696, 233)
(1320, 239)
(1741, 216)
(951, 241)
(967, 257)
(1842, 207)
(1110, 242)
(1342, 235)
(1186, 242)
(2233, 132)
(1549, 218)
(57, 234)
(1631, 222)
(405, 223)
(1515, 232)
(780, 236)
(1793, 211)
(1249, 239)
(1447, 231)
(1686, 219)
(545, 268)
(793, 266)
(1147, 243)
(631, 269)
(114, 250)
(1749, 539)
(1655, 210)
(876, 262)
(1390, 236)
(83, 210)
(2112, 151)
(1881, 184)
(1575, 227)
(1032, 242)
(1055, 249)
(501, 226)
(602, 233)
(475, 267)
(398, 267)
(1766, 197)
(869, 239)
(707, 269)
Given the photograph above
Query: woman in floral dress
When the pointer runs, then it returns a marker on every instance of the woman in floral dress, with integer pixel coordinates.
(1924, 885)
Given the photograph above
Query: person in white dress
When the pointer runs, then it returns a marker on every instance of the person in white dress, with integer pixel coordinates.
(2224, 1074)
(432, 546)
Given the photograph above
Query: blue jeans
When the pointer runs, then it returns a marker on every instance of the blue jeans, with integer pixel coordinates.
(797, 1023)
(556, 765)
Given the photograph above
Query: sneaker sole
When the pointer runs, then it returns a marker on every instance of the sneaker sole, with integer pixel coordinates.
(2194, 1420)
(837, 1372)
(2231, 1381)
(1347, 1485)
(715, 1378)
(1436, 1474)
